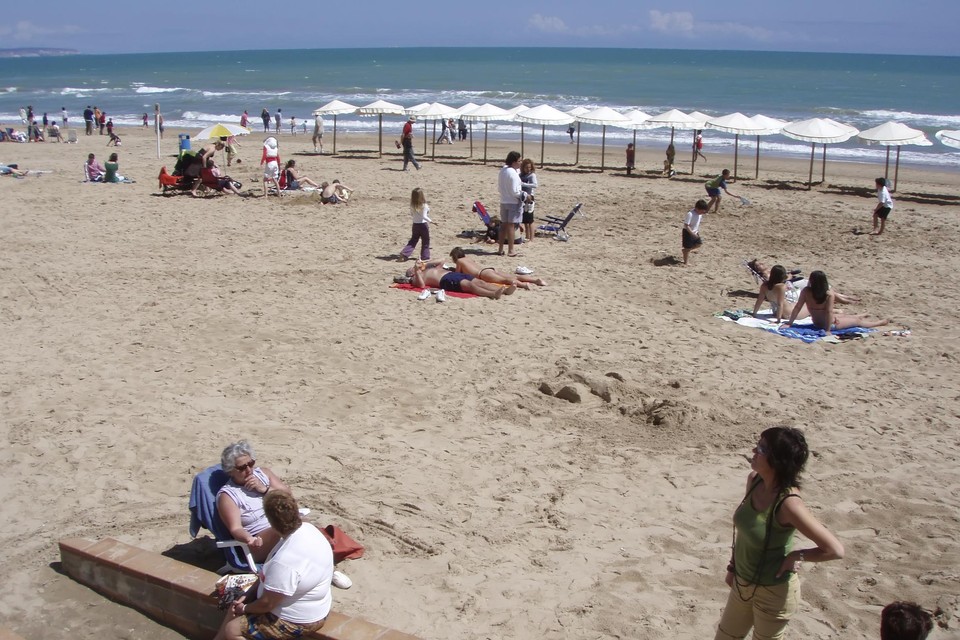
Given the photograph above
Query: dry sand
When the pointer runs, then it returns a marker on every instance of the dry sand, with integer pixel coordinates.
(142, 333)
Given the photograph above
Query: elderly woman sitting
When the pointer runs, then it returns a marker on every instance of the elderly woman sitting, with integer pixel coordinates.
(240, 501)
(293, 595)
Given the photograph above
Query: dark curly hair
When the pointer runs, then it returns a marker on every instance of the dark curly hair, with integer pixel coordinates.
(905, 621)
(787, 453)
(282, 512)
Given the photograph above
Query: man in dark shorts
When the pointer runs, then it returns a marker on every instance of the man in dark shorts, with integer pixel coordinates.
(435, 276)
(690, 240)
(713, 188)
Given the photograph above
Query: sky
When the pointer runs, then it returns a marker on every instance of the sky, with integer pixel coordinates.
(920, 27)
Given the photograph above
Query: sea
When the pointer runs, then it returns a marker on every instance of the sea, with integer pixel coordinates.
(196, 89)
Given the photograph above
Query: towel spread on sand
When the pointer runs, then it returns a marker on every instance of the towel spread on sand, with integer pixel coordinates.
(410, 287)
(801, 330)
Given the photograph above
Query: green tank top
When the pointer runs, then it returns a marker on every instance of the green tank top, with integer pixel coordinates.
(753, 562)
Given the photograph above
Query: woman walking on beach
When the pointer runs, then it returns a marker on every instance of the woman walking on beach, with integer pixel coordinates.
(420, 232)
(762, 572)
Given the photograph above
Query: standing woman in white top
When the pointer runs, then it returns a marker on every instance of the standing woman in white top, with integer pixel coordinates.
(419, 211)
(883, 208)
(528, 177)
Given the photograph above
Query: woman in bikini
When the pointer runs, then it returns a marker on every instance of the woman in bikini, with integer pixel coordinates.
(489, 274)
(294, 180)
(820, 300)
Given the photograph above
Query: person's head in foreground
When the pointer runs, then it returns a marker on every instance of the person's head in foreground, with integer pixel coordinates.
(778, 274)
(527, 166)
(113, 157)
(457, 253)
(725, 173)
(512, 158)
(291, 164)
(905, 621)
(818, 285)
(237, 461)
(784, 451)
(282, 512)
(91, 158)
(701, 206)
(880, 182)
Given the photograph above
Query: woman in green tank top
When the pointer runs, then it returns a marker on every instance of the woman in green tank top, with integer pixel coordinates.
(762, 574)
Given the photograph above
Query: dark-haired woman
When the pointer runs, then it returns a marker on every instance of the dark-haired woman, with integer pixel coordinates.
(820, 300)
(762, 573)
(293, 594)
(774, 290)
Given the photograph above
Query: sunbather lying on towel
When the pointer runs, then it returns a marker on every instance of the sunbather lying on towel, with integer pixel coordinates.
(240, 501)
(438, 277)
(490, 274)
(819, 299)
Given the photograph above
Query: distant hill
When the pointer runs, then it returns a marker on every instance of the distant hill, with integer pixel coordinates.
(36, 52)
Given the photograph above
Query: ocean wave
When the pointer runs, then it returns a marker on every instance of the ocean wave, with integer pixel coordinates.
(66, 91)
(916, 119)
(8, 89)
(146, 89)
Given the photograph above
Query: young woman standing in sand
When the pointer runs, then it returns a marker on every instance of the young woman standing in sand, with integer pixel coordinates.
(420, 232)
(819, 299)
(762, 573)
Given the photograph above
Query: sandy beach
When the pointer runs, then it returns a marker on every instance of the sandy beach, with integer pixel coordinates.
(142, 333)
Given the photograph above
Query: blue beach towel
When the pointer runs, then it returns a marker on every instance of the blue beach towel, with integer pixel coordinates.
(801, 330)
(203, 503)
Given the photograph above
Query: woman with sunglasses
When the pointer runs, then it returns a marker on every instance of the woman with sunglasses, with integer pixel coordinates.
(762, 573)
(240, 500)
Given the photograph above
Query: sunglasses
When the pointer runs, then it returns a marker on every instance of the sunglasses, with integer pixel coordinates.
(243, 467)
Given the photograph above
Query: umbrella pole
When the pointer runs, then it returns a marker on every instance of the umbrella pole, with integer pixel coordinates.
(813, 149)
(736, 152)
(603, 146)
(896, 171)
(433, 147)
(425, 137)
(381, 135)
(576, 160)
(823, 170)
(485, 127)
(693, 162)
(756, 171)
(471, 138)
(886, 166)
(543, 134)
(521, 139)
(334, 134)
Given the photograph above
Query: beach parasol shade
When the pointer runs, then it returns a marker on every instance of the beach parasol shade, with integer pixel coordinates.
(434, 111)
(379, 108)
(485, 113)
(579, 111)
(221, 131)
(543, 115)
(737, 124)
(894, 134)
(675, 119)
(819, 131)
(768, 127)
(335, 108)
(700, 117)
(949, 138)
(605, 116)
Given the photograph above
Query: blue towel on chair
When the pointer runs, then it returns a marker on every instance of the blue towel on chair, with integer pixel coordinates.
(203, 503)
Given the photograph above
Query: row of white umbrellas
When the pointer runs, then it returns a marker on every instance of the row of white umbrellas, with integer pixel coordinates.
(815, 130)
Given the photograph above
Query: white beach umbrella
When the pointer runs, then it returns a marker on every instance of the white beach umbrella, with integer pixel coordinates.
(517, 109)
(735, 123)
(949, 138)
(604, 116)
(638, 120)
(769, 126)
(221, 130)
(819, 131)
(335, 108)
(676, 119)
(486, 113)
(467, 108)
(433, 112)
(894, 134)
(543, 115)
(379, 108)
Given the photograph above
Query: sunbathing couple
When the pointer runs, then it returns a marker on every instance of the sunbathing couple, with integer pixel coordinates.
(812, 297)
(469, 277)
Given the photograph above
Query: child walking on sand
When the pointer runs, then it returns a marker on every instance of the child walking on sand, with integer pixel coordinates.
(883, 208)
(419, 211)
(690, 239)
(631, 158)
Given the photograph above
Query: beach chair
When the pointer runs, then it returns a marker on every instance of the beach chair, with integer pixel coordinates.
(203, 515)
(15, 136)
(172, 183)
(558, 226)
(72, 136)
(481, 211)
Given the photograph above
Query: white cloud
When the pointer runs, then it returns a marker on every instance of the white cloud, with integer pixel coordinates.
(674, 23)
(548, 24)
(25, 31)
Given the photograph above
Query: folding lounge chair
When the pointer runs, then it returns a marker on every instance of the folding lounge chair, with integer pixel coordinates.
(168, 181)
(72, 136)
(558, 226)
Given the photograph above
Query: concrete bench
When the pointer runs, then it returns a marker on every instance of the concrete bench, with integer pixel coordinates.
(177, 595)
